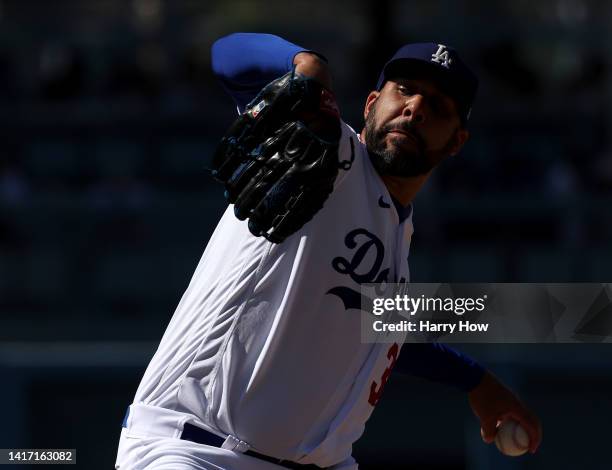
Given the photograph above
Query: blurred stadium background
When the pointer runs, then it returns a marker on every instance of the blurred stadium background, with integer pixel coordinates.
(109, 113)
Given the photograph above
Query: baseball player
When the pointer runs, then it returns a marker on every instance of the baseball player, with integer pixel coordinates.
(262, 365)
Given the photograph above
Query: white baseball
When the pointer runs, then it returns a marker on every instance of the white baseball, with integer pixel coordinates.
(512, 439)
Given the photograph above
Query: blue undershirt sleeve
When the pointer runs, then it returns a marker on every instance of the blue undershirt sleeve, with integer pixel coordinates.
(245, 62)
(439, 363)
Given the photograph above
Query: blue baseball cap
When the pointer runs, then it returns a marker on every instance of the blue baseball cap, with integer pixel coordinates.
(440, 63)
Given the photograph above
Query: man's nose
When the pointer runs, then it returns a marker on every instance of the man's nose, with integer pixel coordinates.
(415, 108)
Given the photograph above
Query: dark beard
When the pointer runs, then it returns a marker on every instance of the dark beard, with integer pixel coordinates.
(394, 161)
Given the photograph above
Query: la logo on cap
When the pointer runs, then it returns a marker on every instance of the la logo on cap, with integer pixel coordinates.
(441, 56)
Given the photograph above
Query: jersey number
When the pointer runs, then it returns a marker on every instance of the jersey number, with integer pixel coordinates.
(375, 390)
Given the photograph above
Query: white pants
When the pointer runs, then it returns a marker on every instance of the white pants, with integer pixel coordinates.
(151, 441)
(171, 453)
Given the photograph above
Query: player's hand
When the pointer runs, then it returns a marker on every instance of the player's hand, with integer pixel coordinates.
(278, 161)
(312, 66)
(492, 402)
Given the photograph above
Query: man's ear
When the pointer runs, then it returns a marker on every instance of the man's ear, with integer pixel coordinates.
(459, 140)
(370, 100)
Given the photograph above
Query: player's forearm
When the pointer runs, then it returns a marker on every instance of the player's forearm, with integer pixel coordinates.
(440, 363)
(245, 62)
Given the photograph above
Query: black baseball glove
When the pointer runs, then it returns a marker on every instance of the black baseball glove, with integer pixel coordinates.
(279, 159)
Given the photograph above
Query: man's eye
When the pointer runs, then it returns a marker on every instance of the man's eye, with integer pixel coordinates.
(403, 89)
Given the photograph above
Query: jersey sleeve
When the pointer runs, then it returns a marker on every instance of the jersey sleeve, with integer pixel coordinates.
(245, 62)
(440, 363)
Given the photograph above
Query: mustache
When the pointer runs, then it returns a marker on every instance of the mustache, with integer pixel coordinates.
(407, 128)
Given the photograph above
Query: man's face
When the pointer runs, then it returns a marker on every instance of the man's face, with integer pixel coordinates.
(410, 127)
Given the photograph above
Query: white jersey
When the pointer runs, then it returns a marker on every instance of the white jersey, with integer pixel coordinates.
(265, 344)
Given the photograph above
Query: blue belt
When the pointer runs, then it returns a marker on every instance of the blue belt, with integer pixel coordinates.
(202, 436)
